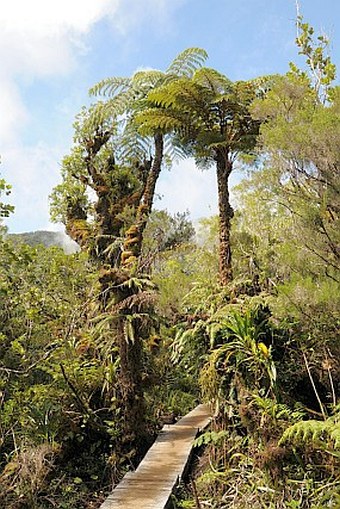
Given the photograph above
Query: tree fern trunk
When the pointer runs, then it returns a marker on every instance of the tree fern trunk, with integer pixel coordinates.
(223, 169)
(131, 354)
(131, 390)
(134, 240)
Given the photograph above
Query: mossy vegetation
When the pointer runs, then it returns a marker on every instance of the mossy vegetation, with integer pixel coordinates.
(98, 348)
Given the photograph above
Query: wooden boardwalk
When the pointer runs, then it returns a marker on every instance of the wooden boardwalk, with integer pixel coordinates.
(151, 485)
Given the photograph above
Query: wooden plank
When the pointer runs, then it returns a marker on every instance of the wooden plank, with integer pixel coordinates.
(151, 485)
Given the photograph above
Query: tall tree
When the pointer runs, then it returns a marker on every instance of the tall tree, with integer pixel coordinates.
(300, 137)
(210, 118)
(105, 201)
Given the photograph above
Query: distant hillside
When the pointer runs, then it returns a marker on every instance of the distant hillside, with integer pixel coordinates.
(47, 239)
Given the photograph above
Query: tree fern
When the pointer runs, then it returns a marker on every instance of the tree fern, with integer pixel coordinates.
(125, 96)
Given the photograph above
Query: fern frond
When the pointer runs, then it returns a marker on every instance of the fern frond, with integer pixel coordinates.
(154, 119)
(211, 437)
(107, 112)
(122, 102)
(334, 433)
(173, 150)
(179, 343)
(213, 80)
(166, 95)
(134, 146)
(109, 86)
(316, 432)
(187, 61)
(129, 332)
(213, 330)
(179, 94)
(147, 79)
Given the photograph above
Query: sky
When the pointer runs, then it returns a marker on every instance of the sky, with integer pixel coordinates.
(52, 52)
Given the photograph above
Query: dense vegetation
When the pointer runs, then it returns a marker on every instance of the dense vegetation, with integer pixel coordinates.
(45, 238)
(149, 318)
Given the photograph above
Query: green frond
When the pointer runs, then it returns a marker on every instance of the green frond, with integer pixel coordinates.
(213, 80)
(211, 143)
(173, 150)
(134, 146)
(98, 115)
(182, 94)
(109, 86)
(103, 115)
(129, 332)
(138, 284)
(121, 102)
(318, 433)
(165, 95)
(211, 437)
(335, 435)
(148, 78)
(181, 339)
(213, 330)
(154, 119)
(187, 61)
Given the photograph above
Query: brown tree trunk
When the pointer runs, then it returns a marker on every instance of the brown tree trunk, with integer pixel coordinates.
(134, 237)
(223, 169)
(131, 389)
(151, 181)
(130, 373)
(131, 353)
(112, 279)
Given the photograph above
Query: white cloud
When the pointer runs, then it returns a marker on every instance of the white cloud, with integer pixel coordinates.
(39, 39)
(43, 37)
(32, 172)
(50, 17)
(186, 187)
(13, 113)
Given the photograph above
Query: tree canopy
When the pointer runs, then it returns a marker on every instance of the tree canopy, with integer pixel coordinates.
(210, 118)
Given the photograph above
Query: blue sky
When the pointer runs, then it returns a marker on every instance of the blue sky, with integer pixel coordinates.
(53, 51)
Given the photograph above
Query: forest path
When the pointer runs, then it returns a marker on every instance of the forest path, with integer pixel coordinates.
(151, 485)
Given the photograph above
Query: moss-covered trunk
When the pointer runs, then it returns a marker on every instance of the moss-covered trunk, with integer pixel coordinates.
(134, 236)
(131, 388)
(223, 169)
(117, 268)
(131, 352)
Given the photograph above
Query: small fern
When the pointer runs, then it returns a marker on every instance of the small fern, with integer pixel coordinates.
(326, 433)
(211, 437)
